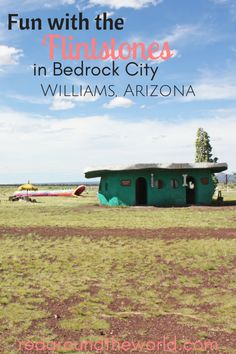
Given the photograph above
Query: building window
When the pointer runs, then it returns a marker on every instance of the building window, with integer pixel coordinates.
(159, 184)
(174, 183)
(125, 182)
(205, 180)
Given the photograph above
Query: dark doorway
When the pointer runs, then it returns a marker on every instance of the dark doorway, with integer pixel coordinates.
(190, 190)
(141, 191)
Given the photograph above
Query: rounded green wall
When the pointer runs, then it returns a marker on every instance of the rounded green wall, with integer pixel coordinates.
(112, 192)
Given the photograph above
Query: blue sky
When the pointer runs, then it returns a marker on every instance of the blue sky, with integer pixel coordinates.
(55, 139)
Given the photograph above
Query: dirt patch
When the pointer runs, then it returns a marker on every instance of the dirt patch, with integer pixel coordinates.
(137, 328)
(134, 327)
(163, 330)
(57, 310)
(120, 303)
(170, 233)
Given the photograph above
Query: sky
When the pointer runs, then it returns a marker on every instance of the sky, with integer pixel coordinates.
(54, 139)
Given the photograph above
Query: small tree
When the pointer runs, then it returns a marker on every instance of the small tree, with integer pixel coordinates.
(203, 147)
(204, 150)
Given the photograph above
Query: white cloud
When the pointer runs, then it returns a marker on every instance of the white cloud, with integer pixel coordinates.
(119, 102)
(28, 5)
(183, 32)
(214, 91)
(53, 149)
(174, 53)
(29, 99)
(68, 2)
(190, 33)
(221, 1)
(109, 14)
(61, 2)
(57, 103)
(60, 103)
(9, 55)
(117, 4)
(214, 86)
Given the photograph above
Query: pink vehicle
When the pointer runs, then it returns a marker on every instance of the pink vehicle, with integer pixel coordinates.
(48, 193)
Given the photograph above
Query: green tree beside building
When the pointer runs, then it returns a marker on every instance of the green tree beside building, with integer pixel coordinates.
(203, 147)
(204, 150)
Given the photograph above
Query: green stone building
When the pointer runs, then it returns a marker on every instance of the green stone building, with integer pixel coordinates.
(176, 184)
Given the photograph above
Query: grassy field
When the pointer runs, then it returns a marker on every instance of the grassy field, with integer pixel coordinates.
(85, 212)
(72, 270)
